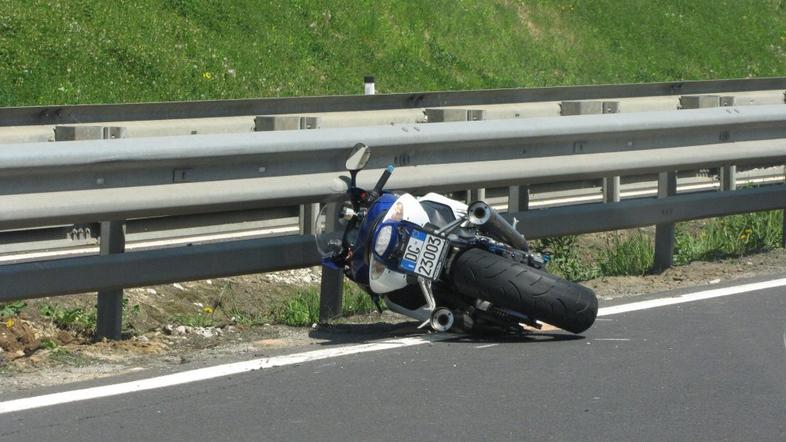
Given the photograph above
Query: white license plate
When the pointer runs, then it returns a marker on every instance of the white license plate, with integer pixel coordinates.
(423, 255)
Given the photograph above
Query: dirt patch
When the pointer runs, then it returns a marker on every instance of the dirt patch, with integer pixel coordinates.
(691, 275)
(525, 17)
(17, 338)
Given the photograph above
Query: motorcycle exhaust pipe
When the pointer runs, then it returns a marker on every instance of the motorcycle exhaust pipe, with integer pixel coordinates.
(442, 319)
(491, 222)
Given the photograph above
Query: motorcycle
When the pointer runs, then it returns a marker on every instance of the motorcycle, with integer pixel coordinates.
(449, 265)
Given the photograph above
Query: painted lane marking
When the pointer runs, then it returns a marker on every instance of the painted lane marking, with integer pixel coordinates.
(611, 339)
(487, 346)
(299, 358)
(203, 374)
(690, 297)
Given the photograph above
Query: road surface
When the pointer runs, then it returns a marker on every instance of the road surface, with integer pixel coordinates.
(711, 369)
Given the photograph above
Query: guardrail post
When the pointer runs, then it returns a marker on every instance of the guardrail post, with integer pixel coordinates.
(446, 115)
(664, 233)
(109, 306)
(518, 199)
(109, 317)
(611, 189)
(728, 178)
(331, 289)
(308, 216)
(263, 123)
(611, 185)
(727, 174)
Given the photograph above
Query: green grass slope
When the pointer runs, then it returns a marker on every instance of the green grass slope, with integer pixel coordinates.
(90, 51)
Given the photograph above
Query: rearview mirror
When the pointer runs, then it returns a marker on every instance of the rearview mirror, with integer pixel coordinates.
(358, 158)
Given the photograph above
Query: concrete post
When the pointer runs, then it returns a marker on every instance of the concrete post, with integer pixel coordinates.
(109, 314)
(611, 185)
(664, 233)
(446, 115)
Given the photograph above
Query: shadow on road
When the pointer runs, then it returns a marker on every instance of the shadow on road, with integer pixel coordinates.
(338, 334)
(341, 334)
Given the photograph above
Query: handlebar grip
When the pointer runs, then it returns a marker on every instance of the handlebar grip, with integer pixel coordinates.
(383, 179)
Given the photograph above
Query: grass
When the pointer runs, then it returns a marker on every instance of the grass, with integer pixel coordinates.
(566, 258)
(102, 51)
(303, 308)
(632, 255)
(731, 236)
(202, 318)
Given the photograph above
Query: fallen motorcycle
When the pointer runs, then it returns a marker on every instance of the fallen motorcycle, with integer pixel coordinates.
(445, 263)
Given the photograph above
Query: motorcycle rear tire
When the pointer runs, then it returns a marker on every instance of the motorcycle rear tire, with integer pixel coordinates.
(536, 293)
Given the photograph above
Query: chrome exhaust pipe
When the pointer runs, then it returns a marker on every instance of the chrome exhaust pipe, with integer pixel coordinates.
(442, 319)
(491, 222)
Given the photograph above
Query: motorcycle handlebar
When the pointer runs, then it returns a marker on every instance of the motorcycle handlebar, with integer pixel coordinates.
(383, 179)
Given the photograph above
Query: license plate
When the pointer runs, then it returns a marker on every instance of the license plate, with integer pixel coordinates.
(423, 255)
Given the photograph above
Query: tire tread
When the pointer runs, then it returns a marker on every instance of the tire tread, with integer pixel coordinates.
(516, 286)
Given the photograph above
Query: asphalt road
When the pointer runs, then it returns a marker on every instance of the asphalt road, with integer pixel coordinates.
(707, 370)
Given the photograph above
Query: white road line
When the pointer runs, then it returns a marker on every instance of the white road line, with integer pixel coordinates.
(486, 346)
(690, 297)
(203, 374)
(611, 339)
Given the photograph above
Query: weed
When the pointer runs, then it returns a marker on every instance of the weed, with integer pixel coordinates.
(198, 319)
(687, 247)
(303, 308)
(12, 309)
(356, 301)
(128, 314)
(70, 319)
(631, 255)
(48, 344)
(242, 318)
(565, 258)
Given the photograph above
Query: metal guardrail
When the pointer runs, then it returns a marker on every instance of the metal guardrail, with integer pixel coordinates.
(120, 180)
(57, 240)
(99, 113)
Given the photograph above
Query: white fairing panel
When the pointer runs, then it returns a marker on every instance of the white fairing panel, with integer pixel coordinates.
(381, 279)
(459, 208)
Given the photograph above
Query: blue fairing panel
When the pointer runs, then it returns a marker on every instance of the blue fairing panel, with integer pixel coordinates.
(359, 265)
